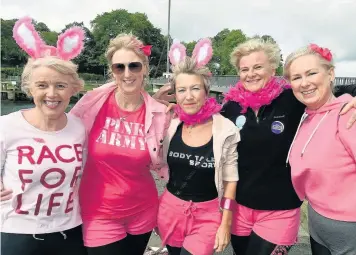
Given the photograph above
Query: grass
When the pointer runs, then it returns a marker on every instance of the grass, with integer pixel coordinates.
(88, 87)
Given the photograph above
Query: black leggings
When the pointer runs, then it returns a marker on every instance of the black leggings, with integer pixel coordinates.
(255, 245)
(318, 249)
(177, 251)
(68, 242)
(130, 245)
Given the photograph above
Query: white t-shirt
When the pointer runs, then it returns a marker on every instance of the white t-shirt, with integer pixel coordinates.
(44, 170)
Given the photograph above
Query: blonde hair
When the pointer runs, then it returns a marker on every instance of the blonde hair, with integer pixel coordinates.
(304, 51)
(129, 42)
(269, 47)
(189, 66)
(62, 66)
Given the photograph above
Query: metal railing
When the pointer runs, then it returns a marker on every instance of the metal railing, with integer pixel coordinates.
(345, 81)
(17, 79)
(216, 81)
(229, 80)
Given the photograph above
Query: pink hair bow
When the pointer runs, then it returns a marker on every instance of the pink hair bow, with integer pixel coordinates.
(324, 52)
(146, 49)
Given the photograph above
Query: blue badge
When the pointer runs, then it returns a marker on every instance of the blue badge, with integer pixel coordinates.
(240, 121)
(277, 127)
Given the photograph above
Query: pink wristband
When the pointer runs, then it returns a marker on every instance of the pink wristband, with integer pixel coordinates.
(227, 203)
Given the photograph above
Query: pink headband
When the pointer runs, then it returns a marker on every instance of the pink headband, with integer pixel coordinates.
(323, 52)
(202, 53)
(69, 44)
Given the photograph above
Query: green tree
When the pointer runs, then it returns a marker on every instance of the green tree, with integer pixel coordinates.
(268, 38)
(11, 54)
(190, 47)
(109, 24)
(50, 37)
(41, 27)
(220, 37)
(88, 60)
(223, 44)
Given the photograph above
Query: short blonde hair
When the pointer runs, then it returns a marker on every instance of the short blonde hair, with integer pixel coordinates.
(62, 66)
(189, 66)
(129, 42)
(269, 47)
(304, 51)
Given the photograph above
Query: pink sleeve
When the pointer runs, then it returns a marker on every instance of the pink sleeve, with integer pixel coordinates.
(163, 170)
(167, 123)
(348, 136)
(78, 108)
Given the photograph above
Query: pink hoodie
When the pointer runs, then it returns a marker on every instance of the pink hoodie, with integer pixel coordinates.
(323, 161)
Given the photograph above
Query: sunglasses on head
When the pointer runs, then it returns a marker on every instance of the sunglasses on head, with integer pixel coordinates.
(119, 68)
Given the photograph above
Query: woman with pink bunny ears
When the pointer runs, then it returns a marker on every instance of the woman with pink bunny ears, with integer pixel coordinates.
(195, 211)
(42, 151)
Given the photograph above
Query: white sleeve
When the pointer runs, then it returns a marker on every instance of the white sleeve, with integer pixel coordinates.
(2, 150)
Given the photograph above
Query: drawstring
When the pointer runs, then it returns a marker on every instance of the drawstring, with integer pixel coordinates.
(311, 136)
(304, 116)
(64, 235)
(41, 239)
(37, 238)
(189, 209)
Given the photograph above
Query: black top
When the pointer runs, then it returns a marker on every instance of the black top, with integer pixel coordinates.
(264, 177)
(191, 170)
(345, 89)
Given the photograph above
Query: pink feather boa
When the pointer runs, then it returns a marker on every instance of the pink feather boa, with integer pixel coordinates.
(210, 108)
(255, 100)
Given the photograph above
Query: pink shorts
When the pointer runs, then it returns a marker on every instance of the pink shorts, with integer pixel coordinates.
(188, 224)
(99, 232)
(278, 227)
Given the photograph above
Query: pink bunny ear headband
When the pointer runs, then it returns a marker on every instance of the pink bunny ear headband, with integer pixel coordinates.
(202, 53)
(69, 44)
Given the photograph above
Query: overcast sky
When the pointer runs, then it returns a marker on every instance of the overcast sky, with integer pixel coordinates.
(292, 23)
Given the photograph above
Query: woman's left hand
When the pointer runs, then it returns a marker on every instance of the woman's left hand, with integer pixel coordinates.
(348, 107)
(222, 238)
(170, 107)
(165, 94)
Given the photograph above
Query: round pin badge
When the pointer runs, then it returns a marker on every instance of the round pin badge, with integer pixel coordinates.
(277, 127)
(240, 121)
